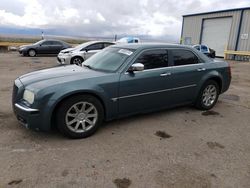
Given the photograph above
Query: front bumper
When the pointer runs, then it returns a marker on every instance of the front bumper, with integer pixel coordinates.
(36, 117)
(23, 51)
(28, 117)
(63, 59)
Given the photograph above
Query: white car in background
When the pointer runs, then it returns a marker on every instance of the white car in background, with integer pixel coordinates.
(81, 52)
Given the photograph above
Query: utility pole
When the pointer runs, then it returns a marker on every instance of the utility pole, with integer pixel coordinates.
(42, 35)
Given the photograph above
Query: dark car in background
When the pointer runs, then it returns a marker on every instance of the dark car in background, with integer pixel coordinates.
(118, 81)
(205, 50)
(43, 47)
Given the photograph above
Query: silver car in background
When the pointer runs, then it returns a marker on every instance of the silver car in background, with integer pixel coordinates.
(81, 52)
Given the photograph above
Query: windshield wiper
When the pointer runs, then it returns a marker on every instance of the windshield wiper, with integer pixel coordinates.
(88, 66)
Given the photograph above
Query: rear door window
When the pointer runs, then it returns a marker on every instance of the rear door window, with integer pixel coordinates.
(153, 59)
(184, 57)
(56, 43)
(107, 44)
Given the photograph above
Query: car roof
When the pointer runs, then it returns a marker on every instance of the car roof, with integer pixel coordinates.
(142, 46)
(97, 41)
(52, 40)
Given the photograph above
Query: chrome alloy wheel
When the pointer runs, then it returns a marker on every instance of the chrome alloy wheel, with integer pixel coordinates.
(81, 117)
(209, 95)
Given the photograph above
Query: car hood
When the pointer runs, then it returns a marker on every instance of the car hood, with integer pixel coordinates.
(27, 45)
(57, 75)
(67, 50)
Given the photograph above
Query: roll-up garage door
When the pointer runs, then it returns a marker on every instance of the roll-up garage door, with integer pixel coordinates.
(215, 34)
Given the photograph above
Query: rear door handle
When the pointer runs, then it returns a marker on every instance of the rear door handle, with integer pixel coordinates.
(166, 74)
(201, 69)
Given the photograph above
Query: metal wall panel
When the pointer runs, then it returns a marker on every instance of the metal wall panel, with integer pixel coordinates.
(244, 38)
(192, 26)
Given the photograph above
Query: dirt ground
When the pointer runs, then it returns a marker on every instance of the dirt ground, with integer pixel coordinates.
(182, 147)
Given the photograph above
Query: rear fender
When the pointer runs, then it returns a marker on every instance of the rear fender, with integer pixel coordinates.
(209, 76)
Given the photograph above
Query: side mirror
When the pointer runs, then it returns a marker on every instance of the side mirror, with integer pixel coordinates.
(136, 67)
(86, 50)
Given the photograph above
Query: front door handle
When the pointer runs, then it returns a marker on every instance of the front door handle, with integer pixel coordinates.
(166, 74)
(201, 69)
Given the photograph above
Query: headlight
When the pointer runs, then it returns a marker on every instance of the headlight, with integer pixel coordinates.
(29, 96)
(65, 54)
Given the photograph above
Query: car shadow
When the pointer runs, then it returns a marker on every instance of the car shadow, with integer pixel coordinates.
(138, 118)
(40, 55)
(109, 126)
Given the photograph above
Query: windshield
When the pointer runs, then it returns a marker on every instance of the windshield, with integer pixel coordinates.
(122, 40)
(197, 47)
(109, 59)
(204, 48)
(39, 42)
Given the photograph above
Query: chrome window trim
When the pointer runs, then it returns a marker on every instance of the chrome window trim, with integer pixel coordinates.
(147, 70)
(153, 92)
(189, 65)
(166, 68)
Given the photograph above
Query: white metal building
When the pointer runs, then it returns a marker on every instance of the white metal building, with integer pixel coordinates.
(220, 30)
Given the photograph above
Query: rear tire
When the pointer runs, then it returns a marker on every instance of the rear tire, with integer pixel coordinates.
(79, 116)
(208, 95)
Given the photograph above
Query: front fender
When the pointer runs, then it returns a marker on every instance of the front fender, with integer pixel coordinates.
(110, 107)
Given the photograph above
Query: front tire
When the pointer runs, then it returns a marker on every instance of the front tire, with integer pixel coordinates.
(32, 53)
(77, 61)
(80, 116)
(208, 95)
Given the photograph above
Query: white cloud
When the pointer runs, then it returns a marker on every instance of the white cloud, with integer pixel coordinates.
(32, 17)
(143, 2)
(86, 21)
(109, 17)
(100, 17)
(69, 13)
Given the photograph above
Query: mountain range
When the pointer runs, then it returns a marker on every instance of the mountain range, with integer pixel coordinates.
(37, 32)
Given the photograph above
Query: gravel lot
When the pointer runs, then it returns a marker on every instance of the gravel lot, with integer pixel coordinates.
(182, 147)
